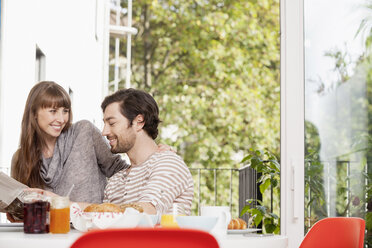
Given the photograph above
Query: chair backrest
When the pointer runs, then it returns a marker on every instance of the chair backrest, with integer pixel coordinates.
(146, 237)
(340, 232)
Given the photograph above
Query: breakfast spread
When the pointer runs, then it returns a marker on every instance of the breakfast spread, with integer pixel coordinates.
(111, 207)
(237, 223)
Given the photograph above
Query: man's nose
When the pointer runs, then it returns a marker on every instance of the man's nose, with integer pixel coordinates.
(105, 131)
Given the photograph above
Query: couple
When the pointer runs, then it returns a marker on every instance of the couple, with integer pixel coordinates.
(54, 154)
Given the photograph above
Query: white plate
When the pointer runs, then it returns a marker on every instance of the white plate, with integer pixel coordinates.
(242, 231)
(15, 224)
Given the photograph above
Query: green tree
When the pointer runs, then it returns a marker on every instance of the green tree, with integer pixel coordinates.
(213, 67)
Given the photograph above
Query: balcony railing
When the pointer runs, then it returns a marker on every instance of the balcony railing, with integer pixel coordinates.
(241, 186)
(335, 184)
(216, 171)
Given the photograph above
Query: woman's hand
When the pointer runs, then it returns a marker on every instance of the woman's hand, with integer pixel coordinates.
(164, 148)
(41, 191)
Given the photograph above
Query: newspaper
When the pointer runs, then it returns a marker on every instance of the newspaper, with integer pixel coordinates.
(11, 196)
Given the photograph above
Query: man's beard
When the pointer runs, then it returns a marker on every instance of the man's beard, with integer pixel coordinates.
(124, 145)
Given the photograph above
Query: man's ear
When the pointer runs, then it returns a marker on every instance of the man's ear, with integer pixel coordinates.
(139, 122)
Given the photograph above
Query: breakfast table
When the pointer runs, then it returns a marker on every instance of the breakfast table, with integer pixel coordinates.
(13, 237)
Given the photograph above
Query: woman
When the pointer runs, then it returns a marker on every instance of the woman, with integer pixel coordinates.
(55, 154)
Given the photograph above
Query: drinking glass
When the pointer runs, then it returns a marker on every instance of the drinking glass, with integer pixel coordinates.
(169, 220)
(60, 215)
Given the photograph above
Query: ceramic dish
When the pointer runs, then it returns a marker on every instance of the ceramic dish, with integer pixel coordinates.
(243, 231)
(205, 223)
(84, 221)
(16, 224)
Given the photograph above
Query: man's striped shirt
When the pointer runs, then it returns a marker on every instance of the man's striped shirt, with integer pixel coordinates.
(162, 180)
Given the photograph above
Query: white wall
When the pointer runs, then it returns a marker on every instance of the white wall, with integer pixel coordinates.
(70, 33)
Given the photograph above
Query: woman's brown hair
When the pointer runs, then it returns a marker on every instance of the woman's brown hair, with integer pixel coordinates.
(28, 159)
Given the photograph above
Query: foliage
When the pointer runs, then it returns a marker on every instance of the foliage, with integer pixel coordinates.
(339, 172)
(314, 177)
(268, 167)
(213, 67)
(349, 184)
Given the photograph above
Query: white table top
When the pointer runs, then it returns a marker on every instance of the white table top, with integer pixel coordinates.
(13, 237)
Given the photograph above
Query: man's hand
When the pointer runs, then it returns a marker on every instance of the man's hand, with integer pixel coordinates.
(148, 208)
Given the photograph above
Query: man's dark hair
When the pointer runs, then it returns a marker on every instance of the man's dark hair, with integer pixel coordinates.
(136, 102)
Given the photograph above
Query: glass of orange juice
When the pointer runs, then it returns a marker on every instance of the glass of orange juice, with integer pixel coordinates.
(60, 215)
(169, 220)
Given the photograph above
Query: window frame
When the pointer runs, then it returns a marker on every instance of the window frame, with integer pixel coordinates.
(292, 120)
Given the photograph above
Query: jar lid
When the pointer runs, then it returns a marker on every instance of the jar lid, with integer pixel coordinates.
(30, 197)
(60, 202)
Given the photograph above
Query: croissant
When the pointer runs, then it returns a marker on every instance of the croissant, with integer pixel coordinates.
(237, 224)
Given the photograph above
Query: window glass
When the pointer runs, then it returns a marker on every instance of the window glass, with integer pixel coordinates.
(338, 108)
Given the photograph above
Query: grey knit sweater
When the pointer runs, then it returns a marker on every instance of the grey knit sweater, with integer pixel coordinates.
(81, 157)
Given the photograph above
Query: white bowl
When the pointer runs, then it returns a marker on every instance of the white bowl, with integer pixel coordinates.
(84, 221)
(149, 221)
(205, 223)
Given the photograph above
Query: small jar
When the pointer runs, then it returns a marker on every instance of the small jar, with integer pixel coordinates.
(60, 215)
(36, 214)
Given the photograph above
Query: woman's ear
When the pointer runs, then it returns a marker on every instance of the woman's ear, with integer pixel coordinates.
(139, 122)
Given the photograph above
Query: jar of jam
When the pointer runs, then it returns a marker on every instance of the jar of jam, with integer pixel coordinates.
(60, 215)
(36, 214)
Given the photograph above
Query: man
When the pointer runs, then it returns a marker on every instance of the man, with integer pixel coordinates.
(155, 180)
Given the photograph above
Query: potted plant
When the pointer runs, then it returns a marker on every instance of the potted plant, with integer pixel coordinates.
(267, 166)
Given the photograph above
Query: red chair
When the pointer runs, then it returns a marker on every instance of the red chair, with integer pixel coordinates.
(339, 232)
(146, 238)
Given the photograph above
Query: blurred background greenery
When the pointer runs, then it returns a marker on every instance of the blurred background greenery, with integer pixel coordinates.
(213, 67)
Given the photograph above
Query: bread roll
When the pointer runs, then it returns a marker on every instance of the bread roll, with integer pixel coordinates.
(131, 205)
(104, 207)
(91, 208)
(237, 224)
